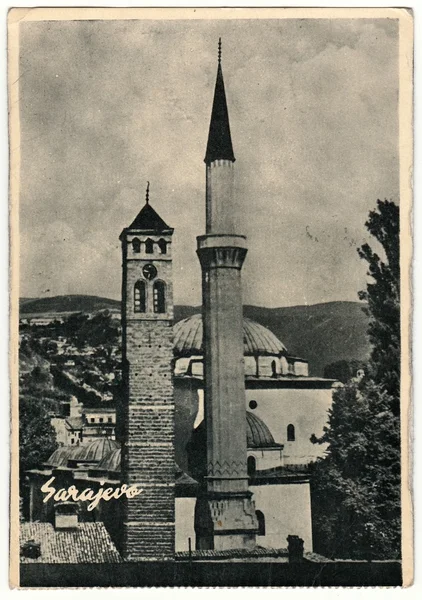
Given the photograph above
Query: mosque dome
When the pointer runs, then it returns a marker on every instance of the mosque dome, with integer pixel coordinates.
(96, 450)
(111, 461)
(257, 339)
(60, 456)
(257, 433)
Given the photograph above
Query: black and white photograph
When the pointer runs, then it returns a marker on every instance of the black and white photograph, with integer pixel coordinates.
(210, 297)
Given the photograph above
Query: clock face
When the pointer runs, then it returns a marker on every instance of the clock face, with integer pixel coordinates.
(149, 271)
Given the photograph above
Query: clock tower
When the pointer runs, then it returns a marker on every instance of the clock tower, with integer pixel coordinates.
(146, 417)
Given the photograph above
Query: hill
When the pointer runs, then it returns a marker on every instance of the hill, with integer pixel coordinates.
(321, 333)
(64, 304)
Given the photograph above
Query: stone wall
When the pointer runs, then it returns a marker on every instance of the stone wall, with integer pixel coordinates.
(148, 450)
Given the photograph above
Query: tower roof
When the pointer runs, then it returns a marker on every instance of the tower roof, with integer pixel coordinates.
(219, 139)
(148, 219)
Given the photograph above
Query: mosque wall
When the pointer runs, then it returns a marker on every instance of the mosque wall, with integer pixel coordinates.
(287, 511)
(305, 409)
(184, 516)
(266, 458)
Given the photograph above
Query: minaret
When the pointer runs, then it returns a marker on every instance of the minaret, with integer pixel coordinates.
(146, 419)
(225, 513)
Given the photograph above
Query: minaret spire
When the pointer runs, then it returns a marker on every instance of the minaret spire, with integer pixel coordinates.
(219, 145)
(147, 194)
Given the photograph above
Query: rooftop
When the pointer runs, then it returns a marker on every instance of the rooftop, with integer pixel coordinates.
(149, 220)
(87, 543)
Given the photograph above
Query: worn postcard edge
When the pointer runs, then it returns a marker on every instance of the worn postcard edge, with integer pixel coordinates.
(405, 18)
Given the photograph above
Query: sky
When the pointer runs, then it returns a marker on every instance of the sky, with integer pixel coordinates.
(107, 105)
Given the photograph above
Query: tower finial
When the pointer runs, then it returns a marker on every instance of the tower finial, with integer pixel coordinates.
(219, 51)
(147, 193)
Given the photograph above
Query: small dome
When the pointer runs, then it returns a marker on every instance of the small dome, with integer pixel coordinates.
(257, 433)
(96, 450)
(60, 456)
(188, 338)
(111, 461)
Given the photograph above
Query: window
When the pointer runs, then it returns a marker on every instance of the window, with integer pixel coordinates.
(140, 296)
(101, 419)
(136, 245)
(251, 466)
(253, 404)
(162, 244)
(291, 433)
(261, 522)
(92, 420)
(149, 246)
(273, 369)
(110, 420)
(159, 291)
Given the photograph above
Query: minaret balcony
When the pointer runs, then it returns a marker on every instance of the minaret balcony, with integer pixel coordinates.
(221, 251)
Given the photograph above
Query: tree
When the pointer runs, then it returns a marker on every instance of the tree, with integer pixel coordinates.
(37, 438)
(383, 297)
(339, 369)
(356, 487)
(343, 370)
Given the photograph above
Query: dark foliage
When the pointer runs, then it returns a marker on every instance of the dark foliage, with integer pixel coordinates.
(37, 438)
(383, 298)
(356, 488)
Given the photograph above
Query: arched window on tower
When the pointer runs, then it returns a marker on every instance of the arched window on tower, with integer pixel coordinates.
(159, 295)
(251, 466)
(149, 246)
(273, 369)
(140, 297)
(136, 245)
(162, 244)
(261, 522)
(291, 433)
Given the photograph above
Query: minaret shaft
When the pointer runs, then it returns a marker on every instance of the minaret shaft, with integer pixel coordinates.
(224, 369)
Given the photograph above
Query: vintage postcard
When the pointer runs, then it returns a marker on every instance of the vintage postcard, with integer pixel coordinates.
(210, 282)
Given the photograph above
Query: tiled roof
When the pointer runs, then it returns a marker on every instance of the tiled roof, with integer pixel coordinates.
(75, 422)
(88, 543)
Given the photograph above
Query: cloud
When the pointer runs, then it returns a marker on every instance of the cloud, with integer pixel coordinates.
(107, 105)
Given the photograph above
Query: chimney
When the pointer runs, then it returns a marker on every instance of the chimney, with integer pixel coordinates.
(65, 516)
(31, 549)
(75, 407)
(295, 548)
